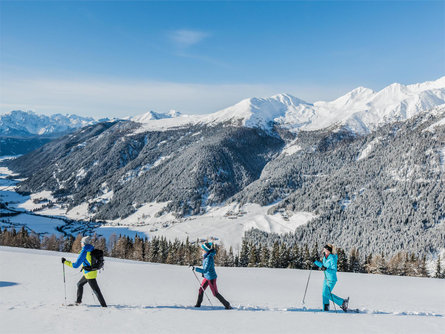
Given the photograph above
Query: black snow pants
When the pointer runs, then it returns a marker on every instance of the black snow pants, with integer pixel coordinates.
(94, 286)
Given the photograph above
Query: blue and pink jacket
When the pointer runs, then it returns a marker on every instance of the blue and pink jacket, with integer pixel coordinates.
(208, 265)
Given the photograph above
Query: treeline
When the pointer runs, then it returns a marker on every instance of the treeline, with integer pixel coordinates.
(280, 255)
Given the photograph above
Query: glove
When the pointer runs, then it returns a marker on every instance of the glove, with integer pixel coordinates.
(323, 268)
(192, 268)
(63, 260)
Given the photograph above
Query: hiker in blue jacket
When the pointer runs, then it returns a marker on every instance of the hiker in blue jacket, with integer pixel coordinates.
(89, 277)
(329, 267)
(209, 275)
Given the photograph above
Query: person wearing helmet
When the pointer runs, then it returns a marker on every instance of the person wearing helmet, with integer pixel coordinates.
(89, 277)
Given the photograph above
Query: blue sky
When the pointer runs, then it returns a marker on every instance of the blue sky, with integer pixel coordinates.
(110, 58)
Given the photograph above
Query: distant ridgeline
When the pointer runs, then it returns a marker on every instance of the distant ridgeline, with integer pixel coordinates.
(280, 255)
(24, 131)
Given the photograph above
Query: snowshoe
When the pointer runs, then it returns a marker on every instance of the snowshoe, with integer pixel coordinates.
(345, 304)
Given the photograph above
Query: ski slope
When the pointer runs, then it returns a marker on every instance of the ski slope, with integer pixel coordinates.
(157, 298)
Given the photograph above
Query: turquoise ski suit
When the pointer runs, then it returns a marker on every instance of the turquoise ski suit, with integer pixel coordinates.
(330, 278)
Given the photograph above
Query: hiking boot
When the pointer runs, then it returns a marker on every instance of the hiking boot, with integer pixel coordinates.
(223, 301)
(199, 301)
(326, 307)
(345, 304)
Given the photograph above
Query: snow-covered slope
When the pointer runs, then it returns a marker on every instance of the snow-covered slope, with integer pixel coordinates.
(153, 115)
(26, 123)
(157, 298)
(361, 110)
(226, 223)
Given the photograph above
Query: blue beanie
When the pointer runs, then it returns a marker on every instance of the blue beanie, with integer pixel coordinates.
(207, 246)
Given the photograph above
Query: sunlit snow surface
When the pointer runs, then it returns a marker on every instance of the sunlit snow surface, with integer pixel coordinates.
(156, 298)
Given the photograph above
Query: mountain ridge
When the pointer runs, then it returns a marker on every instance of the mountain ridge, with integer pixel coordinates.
(28, 123)
(361, 110)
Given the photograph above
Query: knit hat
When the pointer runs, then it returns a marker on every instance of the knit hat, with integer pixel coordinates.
(207, 246)
(328, 247)
(85, 240)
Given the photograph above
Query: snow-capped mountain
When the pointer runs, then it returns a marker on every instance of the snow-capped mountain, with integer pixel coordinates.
(257, 112)
(153, 115)
(361, 110)
(28, 123)
(386, 180)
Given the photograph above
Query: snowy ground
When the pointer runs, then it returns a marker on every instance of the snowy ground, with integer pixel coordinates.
(227, 223)
(156, 298)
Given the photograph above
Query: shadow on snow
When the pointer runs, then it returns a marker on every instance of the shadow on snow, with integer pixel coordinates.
(267, 309)
(5, 284)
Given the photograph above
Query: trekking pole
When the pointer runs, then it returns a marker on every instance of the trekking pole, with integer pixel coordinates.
(194, 273)
(330, 292)
(305, 290)
(64, 282)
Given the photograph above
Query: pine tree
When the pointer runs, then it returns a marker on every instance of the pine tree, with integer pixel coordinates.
(438, 273)
(284, 256)
(315, 255)
(253, 258)
(296, 258)
(236, 261)
(354, 261)
(68, 244)
(230, 258)
(264, 257)
(154, 251)
(307, 258)
(274, 261)
(422, 267)
(342, 262)
(244, 254)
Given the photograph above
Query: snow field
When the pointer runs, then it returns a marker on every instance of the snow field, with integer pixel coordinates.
(157, 298)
